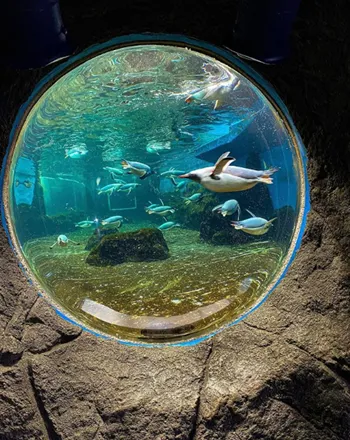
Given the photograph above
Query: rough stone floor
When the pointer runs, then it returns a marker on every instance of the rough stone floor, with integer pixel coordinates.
(284, 373)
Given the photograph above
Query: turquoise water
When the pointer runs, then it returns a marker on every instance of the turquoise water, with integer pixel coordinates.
(122, 208)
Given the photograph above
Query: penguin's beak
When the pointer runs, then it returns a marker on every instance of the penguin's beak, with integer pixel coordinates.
(190, 176)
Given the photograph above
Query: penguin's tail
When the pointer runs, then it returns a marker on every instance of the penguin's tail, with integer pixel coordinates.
(236, 225)
(265, 179)
(270, 171)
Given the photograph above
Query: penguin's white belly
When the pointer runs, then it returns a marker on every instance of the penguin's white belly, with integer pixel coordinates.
(228, 183)
(137, 171)
(255, 231)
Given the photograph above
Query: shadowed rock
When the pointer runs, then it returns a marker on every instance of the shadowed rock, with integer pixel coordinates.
(146, 244)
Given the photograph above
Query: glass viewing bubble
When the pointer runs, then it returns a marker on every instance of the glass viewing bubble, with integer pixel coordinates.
(155, 190)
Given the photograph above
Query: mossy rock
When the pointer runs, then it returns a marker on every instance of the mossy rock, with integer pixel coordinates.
(97, 237)
(146, 244)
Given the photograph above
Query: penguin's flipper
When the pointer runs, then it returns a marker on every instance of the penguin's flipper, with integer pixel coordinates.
(250, 212)
(272, 220)
(216, 208)
(221, 164)
(217, 104)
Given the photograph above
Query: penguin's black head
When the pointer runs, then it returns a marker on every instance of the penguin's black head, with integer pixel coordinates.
(191, 176)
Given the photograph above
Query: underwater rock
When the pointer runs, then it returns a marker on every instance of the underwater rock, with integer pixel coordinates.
(216, 229)
(55, 224)
(31, 224)
(146, 244)
(96, 238)
(191, 215)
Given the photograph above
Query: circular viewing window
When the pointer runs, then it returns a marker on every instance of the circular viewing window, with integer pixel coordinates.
(155, 190)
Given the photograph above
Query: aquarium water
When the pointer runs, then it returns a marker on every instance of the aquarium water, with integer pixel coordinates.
(154, 193)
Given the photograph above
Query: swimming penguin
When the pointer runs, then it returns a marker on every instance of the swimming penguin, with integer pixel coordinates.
(109, 189)
(170, 174)
(139, 169)
(116, 171)
(128, 187)
(194, 198)
(85, 224)
(63, 241)
(168, 225)
(76, 152)
(228, 208)
(224, 178)
(115, 220)
(215, 92)
(162, 210)
(253, 225)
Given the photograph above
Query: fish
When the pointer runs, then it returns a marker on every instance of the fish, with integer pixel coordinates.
(116, 171)
(228, 208)
(172, 173)
(109, 189)
(63, 240)
(253, 225)
(85, 224)
(137, 168)
(158, 147)
(76, 152)
(179, 185)
(161, 210)
(216, 92)
(193, 198)
(116, 219)
(225, 178)
(128, 187)
(168, 225)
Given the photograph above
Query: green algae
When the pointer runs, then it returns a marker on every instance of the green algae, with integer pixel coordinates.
(195, 275)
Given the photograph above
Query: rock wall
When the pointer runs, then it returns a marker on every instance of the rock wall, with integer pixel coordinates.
(282, 374)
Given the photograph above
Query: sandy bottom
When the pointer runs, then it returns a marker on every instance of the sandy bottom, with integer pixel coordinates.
(201, 285)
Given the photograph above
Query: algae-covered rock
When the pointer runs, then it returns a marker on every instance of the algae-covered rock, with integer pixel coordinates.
(191, 215)
(96, 237)
(146, 244)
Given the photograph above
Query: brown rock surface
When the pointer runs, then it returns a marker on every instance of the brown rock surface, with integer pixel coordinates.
(284, 373)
